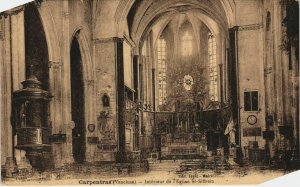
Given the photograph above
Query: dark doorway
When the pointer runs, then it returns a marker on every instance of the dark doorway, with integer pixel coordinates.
(77, 99)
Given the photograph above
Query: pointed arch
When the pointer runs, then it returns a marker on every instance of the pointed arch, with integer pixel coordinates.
(88, 73)
(54, 47)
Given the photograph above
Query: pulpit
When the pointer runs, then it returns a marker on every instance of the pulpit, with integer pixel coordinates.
(31, 122)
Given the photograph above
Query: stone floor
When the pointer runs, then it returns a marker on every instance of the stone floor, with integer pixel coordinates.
(168, 172)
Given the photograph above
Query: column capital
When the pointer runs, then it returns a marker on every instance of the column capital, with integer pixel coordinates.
(136, 51)
(110, 39)
(55, 65)
(13, 11)
(16, 10)
(38, 3)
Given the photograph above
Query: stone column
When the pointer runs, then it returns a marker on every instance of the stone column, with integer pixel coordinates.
(137, 98)
(154, 112)
(59, 74)
(18, 68)
(121, 157)
(56, 108)
(234, 80)
(18, 52)
(66, 85)
(221, 84)
(90, 99)
(7, 141)
(268, 78)
(278, 107)
(149, 70)
(219, 55)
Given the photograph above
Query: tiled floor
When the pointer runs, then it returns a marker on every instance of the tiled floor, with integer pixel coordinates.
(161, 172)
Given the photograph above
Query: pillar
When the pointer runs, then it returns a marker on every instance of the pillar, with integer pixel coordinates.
(67, 156)
(121, 157)
(8, 64)
(137, 129)
(18, 68)
(109, 80)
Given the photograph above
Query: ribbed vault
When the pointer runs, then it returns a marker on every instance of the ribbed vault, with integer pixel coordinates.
(142, 16)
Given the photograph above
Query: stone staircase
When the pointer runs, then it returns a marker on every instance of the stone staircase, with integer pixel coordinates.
(164, 165)
(216, 164)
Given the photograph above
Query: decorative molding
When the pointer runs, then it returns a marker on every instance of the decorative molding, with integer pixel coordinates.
(249, 27)
(55, 65)
(13, 11)
(129, 40)
(17, 10)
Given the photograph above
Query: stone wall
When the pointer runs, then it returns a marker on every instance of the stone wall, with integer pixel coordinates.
(250, 69)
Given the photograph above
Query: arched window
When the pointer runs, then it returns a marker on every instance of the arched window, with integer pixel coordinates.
(213, 73)
(161, 67)
(187, 47)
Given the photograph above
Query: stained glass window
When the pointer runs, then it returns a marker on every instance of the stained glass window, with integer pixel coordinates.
(213, 70)
(161, 67)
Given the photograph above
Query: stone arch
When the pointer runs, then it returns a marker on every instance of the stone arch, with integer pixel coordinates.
(36, 47)
(218, 16)
(121, 14)
(54, 47)
(125, 5)
(88, 73)
(165, 24)
(229, 7)
(88, 67)
(215, 29)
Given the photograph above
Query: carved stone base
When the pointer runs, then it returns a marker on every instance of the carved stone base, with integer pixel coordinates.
(40, 160)
(10, 167)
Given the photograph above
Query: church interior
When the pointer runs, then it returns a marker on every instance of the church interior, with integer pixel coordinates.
(95, 82)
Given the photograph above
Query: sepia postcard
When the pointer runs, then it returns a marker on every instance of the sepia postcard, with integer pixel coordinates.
(149, 92)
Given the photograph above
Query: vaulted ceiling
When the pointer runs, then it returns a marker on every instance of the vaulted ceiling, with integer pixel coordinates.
(143, 15)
